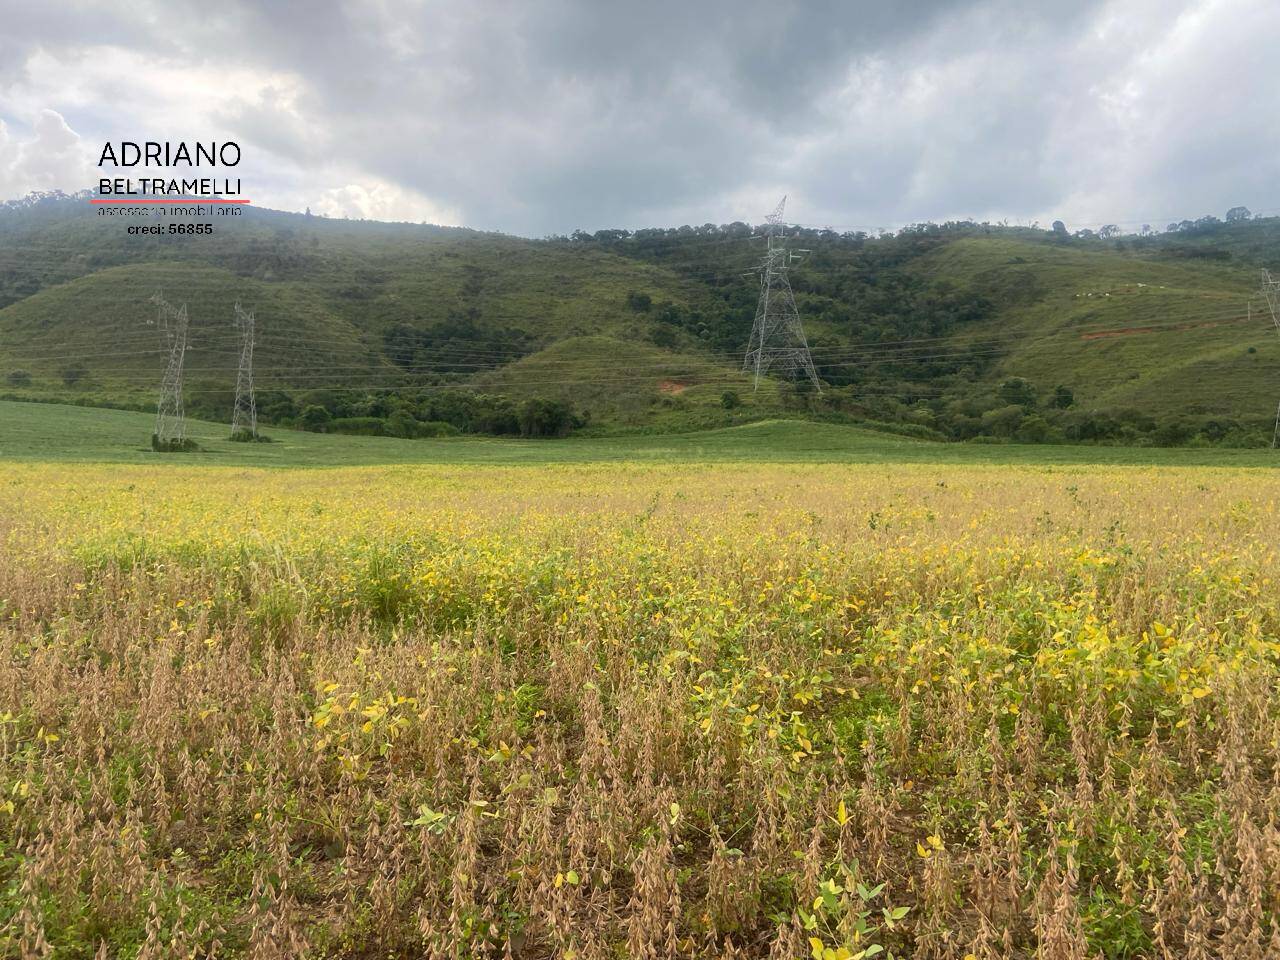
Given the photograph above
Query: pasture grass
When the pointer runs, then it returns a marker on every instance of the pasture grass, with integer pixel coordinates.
(42, 432)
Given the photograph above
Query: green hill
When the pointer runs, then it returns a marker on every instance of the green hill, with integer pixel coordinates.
(1123, 331)
(1125, 339)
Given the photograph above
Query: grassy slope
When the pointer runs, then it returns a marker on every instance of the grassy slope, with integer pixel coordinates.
(1056, 300)
(551, 292)
(324, 292)
(53, 432)
(631, 383)
(101, 321)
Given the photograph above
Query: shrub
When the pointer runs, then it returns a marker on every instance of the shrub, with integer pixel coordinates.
(540, 417)
(174, 445)
(663, 336)
(1172, 433)
(1019, 391)
(639, 302)
(74, 374)
(437, 428)
(1003, 421)
(1035, 429)
(402, 424)
(244, 435)
(19, 378)
(315, 417)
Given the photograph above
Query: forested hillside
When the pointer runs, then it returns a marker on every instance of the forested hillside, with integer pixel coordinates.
(958, 330)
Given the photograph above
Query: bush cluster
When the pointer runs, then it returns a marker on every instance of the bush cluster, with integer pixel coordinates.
(420, 414)
(1018, 411)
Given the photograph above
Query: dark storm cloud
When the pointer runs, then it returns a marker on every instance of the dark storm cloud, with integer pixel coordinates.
(549, 115)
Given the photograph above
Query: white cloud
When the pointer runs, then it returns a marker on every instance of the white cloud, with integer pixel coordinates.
(372, 199)
(50, 156)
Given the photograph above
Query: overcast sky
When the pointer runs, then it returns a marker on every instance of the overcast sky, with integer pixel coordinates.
(543, 116)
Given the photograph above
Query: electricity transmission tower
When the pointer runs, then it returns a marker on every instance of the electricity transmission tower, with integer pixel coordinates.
(171, 424)
(244, 419)
(777, 336)
(1271, 293)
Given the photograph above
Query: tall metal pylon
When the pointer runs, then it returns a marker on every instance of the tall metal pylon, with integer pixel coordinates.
(777, 336)
(171, 422)
(244, 419)
(1271, 293)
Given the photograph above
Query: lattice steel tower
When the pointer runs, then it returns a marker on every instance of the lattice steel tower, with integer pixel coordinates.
(1271, 293)
(244, 419)
(777, 336)
(171, 423)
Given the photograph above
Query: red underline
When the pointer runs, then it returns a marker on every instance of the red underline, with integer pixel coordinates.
(200, 200)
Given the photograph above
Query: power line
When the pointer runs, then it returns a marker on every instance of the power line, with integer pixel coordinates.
(210, 342)
(594, 371)
(390, 384)
(480, 359)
